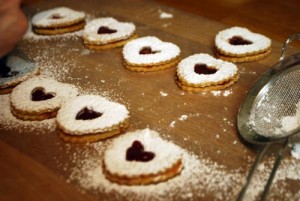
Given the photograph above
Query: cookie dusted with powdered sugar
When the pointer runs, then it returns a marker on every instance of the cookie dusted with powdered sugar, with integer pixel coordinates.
(40, 98)
(141, 157)
(202, 72)
(14, 71)
(150, 54)
(58, 21)
(89, 118)
(107, 33)
(238, 44)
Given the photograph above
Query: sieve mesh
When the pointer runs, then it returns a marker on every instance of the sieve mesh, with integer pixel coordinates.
(276, 100)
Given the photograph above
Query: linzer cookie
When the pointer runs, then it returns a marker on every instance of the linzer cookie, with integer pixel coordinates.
(40, 98)
(90, 118)
(150, 54)
(239, 44)
(15, 70)
(141, 157)
(202, 72)
(107, 33)
(58, 21)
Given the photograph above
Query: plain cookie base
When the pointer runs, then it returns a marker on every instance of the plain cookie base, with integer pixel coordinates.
(152, 67)
(242, 58)
(33, 117)
(169, 173)
(93, 137)
(195, 89)
(111, 45)
(59, 30)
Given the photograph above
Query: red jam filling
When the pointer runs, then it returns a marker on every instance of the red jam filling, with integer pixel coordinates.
(106, 30)
(238, 40)
(38, 94)
(148, 50)
(204, 69)
(136, 153)
(87, 114)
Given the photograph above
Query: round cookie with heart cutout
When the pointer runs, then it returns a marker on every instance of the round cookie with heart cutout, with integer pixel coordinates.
(58, 20)
(89, 118)
(238, 44)
(40, 98)
(107, 33)
(149, 53)
(141, 157)
(13, 71)
(202, 72)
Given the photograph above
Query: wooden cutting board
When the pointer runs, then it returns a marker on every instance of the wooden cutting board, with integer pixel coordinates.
(36, 164)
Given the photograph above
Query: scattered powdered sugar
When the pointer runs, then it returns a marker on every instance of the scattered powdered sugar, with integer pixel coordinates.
(183, 117)
(165, 15)
(199, 178)
(163, 93)
(9, 122)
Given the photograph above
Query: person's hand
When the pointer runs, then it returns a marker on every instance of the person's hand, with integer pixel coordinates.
(13, 24)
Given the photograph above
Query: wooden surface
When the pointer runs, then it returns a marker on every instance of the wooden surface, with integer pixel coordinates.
(28, 170)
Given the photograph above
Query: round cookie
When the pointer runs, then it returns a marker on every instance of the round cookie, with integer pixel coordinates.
(89, 118)
(141, 157)
(15, 70)
(106, 33)
(40, 98)
(150, 54)
(202, 72)
(58, 21)
(238, 44)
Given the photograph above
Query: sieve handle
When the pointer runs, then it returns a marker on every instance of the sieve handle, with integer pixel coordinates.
(257, 161)
(286, 44)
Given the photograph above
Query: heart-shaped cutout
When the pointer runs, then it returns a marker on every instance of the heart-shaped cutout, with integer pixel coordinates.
(204, 69)
(148, 50)
(38, 94)
(106, 30)
(87, 114)
(5, 71)
(239, 40)
(56, 16)
(136, 153)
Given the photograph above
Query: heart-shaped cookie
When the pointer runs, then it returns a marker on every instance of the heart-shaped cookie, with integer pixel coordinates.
(238, 44)
(40, 98)
(89, 118)
(150, 54)
(105, 33)
(15, 71)
(57, 21)
(141, 157)
(202, 72)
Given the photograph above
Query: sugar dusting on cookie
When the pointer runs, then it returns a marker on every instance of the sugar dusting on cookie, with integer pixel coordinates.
(200, 176)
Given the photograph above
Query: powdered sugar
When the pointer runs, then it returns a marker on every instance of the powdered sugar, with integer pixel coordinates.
(259, 42)
(21, 96)
(123, 30)
(112, 114)
(186, 71)
(165, 51)
(64, 17)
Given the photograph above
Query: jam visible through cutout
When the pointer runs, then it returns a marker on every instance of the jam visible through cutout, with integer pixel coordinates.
(106, 30)
(238, 40)
(87, 114)
(136, 153)
(204, 69)
(56, 16)
(5, 72)
(148, 50)
(38, 94)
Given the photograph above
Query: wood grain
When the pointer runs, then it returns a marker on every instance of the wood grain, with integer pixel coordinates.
(210, 131)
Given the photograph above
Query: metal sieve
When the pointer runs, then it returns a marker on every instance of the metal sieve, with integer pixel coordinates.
(273, 97)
